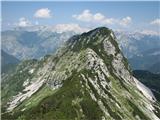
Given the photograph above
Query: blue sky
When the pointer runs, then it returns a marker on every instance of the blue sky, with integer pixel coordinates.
(116, 15)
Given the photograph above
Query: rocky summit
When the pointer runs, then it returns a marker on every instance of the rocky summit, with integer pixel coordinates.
(87, 79)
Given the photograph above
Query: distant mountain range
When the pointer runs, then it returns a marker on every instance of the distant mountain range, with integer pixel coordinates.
(7, 61)
(149, 60)
(136, 43)
(142, 50)
(155, 68)
(25, 44)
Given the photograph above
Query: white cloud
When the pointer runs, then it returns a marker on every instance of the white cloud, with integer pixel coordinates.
(125, 21)
(87, 16)
(23, 22)
(109, 21)
(69, 27)
(155, 22)
(98, 17)
(43, 13)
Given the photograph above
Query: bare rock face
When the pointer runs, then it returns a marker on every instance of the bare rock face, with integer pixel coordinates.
(88, 78)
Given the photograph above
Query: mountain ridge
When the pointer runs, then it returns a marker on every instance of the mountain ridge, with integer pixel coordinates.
(88, 78)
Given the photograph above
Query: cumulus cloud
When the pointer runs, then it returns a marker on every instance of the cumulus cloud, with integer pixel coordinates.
(98, 17)
(23, 22)
(109, 21)
(43, 13)
(87, 16)
(155, 22)
(84, 16)
(69, 27)
(125, 21)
